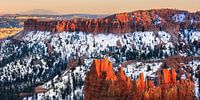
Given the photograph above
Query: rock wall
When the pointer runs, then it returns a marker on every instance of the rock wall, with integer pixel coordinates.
(103, 84)
(142, 20)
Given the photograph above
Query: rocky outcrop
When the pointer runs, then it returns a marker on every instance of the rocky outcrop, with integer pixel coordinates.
(40, 89)
(177, 62)
(103, 84)
(169, 20)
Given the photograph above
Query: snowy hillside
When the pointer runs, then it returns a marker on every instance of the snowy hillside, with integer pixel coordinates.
(44, 58)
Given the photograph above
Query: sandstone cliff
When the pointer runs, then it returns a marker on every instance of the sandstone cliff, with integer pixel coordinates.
(103, 84)
(169, 20)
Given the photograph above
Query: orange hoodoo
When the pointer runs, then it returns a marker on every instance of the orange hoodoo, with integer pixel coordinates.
(104, 66)
(169, 76)
(101, 83)
(122, 17)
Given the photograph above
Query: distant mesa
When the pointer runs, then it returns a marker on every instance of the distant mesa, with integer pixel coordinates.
(39, 12)
(169, 20)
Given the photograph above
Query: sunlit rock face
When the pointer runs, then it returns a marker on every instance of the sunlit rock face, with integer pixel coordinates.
(168, 20)
(102, 83)
(8, 32)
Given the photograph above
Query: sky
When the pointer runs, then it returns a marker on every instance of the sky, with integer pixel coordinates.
(95, 6)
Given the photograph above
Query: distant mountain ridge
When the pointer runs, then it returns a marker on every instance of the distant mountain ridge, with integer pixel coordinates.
(39, 12)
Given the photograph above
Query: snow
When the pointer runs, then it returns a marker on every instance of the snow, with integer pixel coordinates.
(80, 43)
(88, 43)
(195, 36)
(135, 69)
(190, 36)
(80, 72)
(66, 45)
(60, 83)
(194, 65)
(158, 20)
(183, 77)
(165, 37)
(109, 39)
(72, 44)
(18, 69)
(179, 17)
(144, 39)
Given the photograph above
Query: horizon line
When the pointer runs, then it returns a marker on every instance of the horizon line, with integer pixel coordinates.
(62, 13)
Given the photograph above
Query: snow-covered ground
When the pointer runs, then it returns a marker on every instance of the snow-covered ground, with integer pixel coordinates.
(71, 81)
(195, 65)
(68, 41)
(135, 69)
(132, 70)
(39, 55)
(179, 17)
(190, 35)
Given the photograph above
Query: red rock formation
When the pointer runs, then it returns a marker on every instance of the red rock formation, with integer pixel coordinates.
(176, 62)
(40, 89)
(36, 90)
(142, 20)
(103, 84)
(166, 76)
(140, 84)
(22, 95)
(104, 66)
